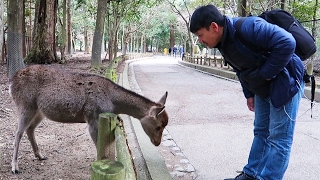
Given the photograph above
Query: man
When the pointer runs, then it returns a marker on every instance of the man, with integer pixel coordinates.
(272, 82)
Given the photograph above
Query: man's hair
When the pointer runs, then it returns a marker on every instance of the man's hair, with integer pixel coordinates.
(203, 16)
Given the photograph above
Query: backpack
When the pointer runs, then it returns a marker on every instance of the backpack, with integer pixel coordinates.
(305, 43)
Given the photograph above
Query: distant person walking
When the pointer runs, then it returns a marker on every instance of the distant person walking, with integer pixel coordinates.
(181, 50)
(175, 49)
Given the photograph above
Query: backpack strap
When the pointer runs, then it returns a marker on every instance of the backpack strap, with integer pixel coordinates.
(245, 42)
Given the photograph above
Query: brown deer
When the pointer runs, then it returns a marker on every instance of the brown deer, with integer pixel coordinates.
(41, 91)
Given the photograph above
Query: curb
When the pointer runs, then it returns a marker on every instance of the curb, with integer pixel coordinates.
(148, 163)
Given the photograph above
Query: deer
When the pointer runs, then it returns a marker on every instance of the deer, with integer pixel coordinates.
(42, 91)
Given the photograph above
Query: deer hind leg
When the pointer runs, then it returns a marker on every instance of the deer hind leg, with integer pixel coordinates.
(30, 133)
(24, 122)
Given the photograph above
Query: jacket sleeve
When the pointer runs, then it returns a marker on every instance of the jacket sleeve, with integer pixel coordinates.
(278, 42)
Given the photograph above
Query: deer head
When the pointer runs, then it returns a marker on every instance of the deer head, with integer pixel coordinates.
(154, 123)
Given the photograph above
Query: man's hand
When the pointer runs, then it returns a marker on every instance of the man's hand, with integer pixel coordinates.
(250, 104)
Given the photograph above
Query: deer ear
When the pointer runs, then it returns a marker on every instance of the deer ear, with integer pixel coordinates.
(155, 111)
(163, 99)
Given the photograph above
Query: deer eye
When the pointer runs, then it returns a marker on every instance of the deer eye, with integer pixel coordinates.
(158, 128)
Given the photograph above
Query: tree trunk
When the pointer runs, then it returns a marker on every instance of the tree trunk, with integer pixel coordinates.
(70, 49)
(15, 18)
(283, 3)
(115, 44)
(86, 47)
(242, 8)
(141, 43)
(52, 21)
(314, 22)
(24, 51)
(172, 37)
(98, 34)
(42, 51)
(63, 32)
(314, 31)
(1, 31)
(191, 42)
(30, 28)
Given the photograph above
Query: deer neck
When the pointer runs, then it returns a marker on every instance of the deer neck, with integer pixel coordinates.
(130, 103)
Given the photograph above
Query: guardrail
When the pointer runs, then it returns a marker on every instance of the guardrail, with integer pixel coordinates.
(214, 61)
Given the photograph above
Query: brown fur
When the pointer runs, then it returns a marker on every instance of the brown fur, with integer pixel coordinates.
(41, 91)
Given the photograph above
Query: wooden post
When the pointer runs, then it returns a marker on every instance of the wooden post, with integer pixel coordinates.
(109, 73)
(215, 61)
(107, 169)
(310, 69)
(123, 154)
(105, 143)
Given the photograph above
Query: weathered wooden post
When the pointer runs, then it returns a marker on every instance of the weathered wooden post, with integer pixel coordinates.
(106, 137)
(215, 61)
(123, 154)
(109, 73)
(107, 170)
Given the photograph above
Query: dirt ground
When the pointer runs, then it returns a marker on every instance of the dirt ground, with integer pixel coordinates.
(68, 147)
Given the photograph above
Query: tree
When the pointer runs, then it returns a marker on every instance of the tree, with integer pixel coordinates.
(63, 38)
(15, 18)
(44, 44)
(98, 33)
(242, 8)
(186, 19)
(1, 30)
(82, 22)
(69, 41)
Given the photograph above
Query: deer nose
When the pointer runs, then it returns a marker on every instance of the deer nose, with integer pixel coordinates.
(155, 142)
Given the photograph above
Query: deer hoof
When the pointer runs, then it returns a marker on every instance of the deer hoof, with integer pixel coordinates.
(15, 171)
(43, 158)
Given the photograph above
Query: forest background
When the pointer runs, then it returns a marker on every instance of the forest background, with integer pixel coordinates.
(45, 31)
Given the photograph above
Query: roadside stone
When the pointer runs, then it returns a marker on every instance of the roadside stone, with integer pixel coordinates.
(185, 161)
(176, 149)
(180, 154)
(190, 168)
(180, 169)
(167, 137)
(180, 174)
(169, 143)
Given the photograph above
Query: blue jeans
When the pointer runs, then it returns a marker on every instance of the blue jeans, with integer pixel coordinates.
(273, 135)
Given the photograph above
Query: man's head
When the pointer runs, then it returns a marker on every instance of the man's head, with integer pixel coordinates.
(207, 23)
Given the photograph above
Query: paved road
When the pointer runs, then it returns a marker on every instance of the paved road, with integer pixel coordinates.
(210, 122)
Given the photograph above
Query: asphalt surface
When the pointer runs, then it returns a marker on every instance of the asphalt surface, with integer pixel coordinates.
(210, 123)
